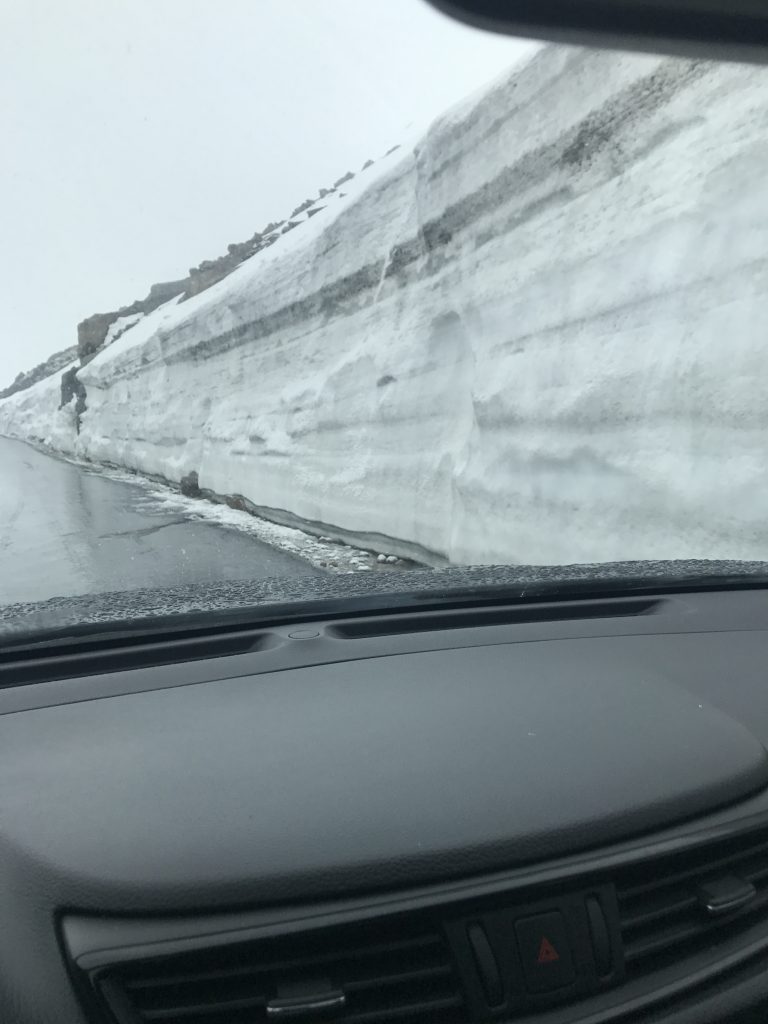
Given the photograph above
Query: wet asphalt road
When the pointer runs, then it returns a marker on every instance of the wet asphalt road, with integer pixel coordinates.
(65, 530)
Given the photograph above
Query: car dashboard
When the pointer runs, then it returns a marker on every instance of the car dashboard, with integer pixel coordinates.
(540, 811)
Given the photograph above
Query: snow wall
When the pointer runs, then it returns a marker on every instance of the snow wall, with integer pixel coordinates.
(537, 334)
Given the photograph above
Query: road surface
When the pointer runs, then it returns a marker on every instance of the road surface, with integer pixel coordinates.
(67, 530)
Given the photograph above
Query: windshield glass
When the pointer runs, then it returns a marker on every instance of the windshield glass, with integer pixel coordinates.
(296, 291)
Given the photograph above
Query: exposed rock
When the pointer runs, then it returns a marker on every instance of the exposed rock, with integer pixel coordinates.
(386, 379)
(137, 306)
(392, 149)
(73, 387)
(342, 181)
(91, 333)
(302, 207)
(160, 293)
(199, 280)
(190, 485)
(240, 251)
(69, 386)
(51, 365)
(209, 272)
(368, 163)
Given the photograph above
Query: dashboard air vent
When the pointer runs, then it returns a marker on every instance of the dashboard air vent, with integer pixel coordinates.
(672, 907)
(371, 975)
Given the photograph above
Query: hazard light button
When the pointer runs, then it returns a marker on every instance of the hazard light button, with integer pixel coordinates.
(545, 952)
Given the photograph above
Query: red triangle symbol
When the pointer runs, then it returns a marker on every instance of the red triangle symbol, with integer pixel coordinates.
(547, 952)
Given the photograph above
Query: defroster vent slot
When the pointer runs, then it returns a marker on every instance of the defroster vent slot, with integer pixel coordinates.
(421, 622)
(117, 655)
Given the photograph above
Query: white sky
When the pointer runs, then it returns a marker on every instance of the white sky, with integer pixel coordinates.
(141, 136)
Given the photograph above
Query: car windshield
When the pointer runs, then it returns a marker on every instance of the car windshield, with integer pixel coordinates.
(299, 293)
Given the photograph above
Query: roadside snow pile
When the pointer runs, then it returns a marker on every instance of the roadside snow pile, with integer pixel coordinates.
(36, 414)
(534, 335)
(322, 552)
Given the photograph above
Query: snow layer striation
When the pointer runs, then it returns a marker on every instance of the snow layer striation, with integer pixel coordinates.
(535, 334)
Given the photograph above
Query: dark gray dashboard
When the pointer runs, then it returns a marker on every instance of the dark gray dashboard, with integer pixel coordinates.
(359, 764)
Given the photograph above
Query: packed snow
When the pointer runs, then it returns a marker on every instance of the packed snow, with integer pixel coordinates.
(120, 326)
(535, 334)
(322, 552)
(37, 415)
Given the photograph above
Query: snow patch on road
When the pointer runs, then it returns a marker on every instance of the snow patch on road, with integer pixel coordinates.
(161, 498)
(322, 554)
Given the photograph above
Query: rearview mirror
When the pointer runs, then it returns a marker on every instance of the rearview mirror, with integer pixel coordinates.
(719, 29)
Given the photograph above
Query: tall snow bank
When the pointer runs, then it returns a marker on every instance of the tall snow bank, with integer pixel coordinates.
(535, 335)
(35, 414)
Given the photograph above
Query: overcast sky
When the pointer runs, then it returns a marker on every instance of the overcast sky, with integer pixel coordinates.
(140, 137)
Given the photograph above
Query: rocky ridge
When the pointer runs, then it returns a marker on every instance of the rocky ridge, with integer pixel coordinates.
(51, 365)
(101, 329)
